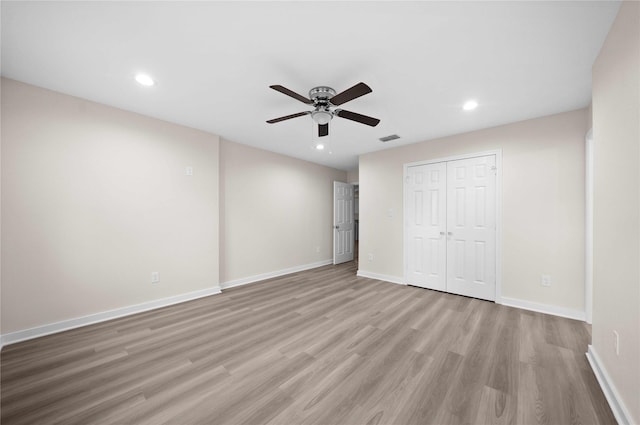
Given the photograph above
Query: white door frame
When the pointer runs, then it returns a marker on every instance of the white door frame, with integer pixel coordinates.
(498, 154)
(588, 231)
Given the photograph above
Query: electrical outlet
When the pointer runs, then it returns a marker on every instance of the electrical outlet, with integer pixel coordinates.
(616, 342)
(370, 257)
(188, 171)
(545, 280)
(317, 249)
(155, 277)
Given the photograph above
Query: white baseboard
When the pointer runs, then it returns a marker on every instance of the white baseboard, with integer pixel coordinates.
(618, 407)
(543, 308)
(511, 302)
(386, 278)
(263, 276)
(77, 322)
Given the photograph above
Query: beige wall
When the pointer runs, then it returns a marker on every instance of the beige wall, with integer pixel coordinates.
(276, 212)
(616, 130)
(352, 176)
(542, 213)
(93, 200)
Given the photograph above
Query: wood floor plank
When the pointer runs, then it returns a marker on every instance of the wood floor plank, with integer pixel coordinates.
(319, 347)
(424, 404)
(475, 367)
(504, 369)
(496, 407)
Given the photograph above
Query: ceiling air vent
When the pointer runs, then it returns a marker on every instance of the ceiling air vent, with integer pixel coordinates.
(389, 138)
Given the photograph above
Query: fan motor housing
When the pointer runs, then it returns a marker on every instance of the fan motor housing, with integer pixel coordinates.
(321, 94)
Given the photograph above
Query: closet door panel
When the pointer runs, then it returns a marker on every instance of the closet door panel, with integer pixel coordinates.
(425, 218)
(471, 215)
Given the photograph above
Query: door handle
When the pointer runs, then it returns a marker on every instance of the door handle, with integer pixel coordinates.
(336, 227)
(449, 233)
(441, 233)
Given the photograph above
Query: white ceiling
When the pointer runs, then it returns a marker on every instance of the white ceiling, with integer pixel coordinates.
(214, 62)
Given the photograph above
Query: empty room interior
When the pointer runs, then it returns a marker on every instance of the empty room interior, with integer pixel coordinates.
(354, 213)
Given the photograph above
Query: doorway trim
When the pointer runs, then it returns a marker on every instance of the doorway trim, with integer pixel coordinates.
(588, 231)
(348, 213)
(405, 236)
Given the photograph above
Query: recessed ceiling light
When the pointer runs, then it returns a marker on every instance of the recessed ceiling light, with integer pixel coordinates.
(320, 146)
(145, 80)
(470, 105)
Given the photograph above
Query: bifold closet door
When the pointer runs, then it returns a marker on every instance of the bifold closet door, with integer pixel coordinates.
(426, 221)
(451, 226)
(471, 227)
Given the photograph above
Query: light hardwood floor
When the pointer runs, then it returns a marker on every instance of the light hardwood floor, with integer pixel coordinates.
(316, 347)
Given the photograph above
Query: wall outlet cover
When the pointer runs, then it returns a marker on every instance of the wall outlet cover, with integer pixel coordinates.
(545, 280)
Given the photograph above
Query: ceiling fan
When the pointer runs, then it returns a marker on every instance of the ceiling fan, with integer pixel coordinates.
(323, 99)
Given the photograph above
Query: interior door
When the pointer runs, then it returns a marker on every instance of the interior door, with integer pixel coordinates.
(343, 228)
(471, 227)
(426, 225)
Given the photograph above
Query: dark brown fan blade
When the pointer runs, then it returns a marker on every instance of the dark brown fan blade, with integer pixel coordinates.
(356, 91)
(357, 117)
(293, 94)
(288, 117)
(323, 130)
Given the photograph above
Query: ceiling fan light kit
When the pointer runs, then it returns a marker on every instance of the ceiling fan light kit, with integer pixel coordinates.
(321, 117)
(323, 98)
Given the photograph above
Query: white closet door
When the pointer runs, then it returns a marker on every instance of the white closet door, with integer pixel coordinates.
(471, 224)
(426, 221)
